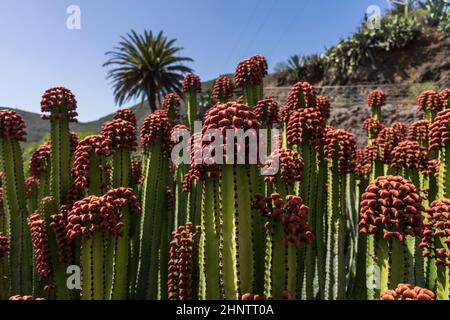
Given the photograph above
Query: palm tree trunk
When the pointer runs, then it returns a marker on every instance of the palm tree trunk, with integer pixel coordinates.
(151, 97)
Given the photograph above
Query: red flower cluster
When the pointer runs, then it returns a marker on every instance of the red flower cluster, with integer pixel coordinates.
(12, 125)
(387, 140)
(121, 133)
(120, 197)
(267, 110)
(98, 144)
(127, 115)
(58, 223)
(171, 104)
(136, 172)
(393, 205)
(26, 298)
(290, 212)
(376, 98)
(444, 97)
(4, 245)
(250, 71)
(223, 89)
(373, 127)
(305, 124)
(31, 184)
(364, 158)
(406, 291)
(429, 100)
(418, 131)
(261, 62)
(156, 126)
(302, 95)
(341, 143)
(400, 128)
(181, 262)
(41, 250)
(437, 226)
(290, 166)
(58, 102)
(324, 106)
(191, 82)
(409, 154)
(440, 130)
(40, 160)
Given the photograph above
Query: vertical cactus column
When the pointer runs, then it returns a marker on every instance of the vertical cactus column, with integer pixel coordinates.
(14, 203)
(430, 103)
(222, 89)
(444, 97)
(391, 209)
(155, 141)
(4, 250)
(435, 243)
(191, 87)
(40, 165)
(181, 262)
(287, 218)
(59, 105)
(340, 148)
(249, 76)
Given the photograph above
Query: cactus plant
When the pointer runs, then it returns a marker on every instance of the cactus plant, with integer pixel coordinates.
(405, 291)
(191, 87)
(222, 89)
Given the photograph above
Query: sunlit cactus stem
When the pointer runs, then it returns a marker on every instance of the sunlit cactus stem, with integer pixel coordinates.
(191, 87)
(14, 201)
(60, 104)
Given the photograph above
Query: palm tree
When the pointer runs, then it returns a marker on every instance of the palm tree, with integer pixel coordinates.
(145, 66)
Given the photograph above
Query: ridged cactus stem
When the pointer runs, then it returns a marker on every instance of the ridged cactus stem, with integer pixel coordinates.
(181, 197)
(191, 108)
(16, 214)
(397, 275)
(383, 262)
(443, 278)
(321, 219)
(92, 265)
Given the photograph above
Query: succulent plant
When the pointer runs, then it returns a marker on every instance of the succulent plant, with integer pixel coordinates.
(191, 87)
(222, 89)
(375, 100)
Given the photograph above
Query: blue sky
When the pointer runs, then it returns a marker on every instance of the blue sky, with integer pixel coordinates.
(38, 51)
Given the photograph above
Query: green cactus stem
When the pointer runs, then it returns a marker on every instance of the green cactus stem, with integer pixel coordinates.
(249, 75)
(191, 87)
(222, 90)
(14, 201)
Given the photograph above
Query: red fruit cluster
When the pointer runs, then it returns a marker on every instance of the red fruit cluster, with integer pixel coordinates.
(409, 154)
(324, 106)
(302, 95)
(157, 127)
(41, 250)
(73, 140)
(26, 298)
(418, 131)
(136, 172)
(373, 127)
(231, 116)
(391, 204)
(249, 72)
(341, 143)
(120, 197)
(400, 128)
(191, 82)
(406, 291)
(31, 184)
(444, 97)
(387, 140)
(12, 125)
(4, 245)
(58, 223)
(40, 160)
(223, 89)
(121, 133)
(429, 100)
(98, 144)
(90, 215)
(376, 98)
(181, 262)
(267, 110)
(305, 124)
(290, 212)
(127, 115)
(364, 158)
(437, 226)
(171, 103)
(440, 130)
(249, 296)
(261, 62)
(290, 166)
(58, 102)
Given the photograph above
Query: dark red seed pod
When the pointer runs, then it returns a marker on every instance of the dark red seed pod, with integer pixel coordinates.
(289, 211)
(387, 140)
(439, 130)
(340, 143)
(171, 103)
(267, 110)
(191, 83)
(306, 121)
(12, 125)
(58, 102)
(405, 291)
(409, 154)
(290, 166)
(324, 106)
(391, 204)
(4, 245)
(98, 144)
(120, 197)
(437, 227)
(38, 229)
(40, 160)
(127, 115)
(223, 89)
(429, 100)
(157, 127)
(121, 133)
(249, 72)
(376, 98)
(444, 97)
(24, 298)
(418, 131)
